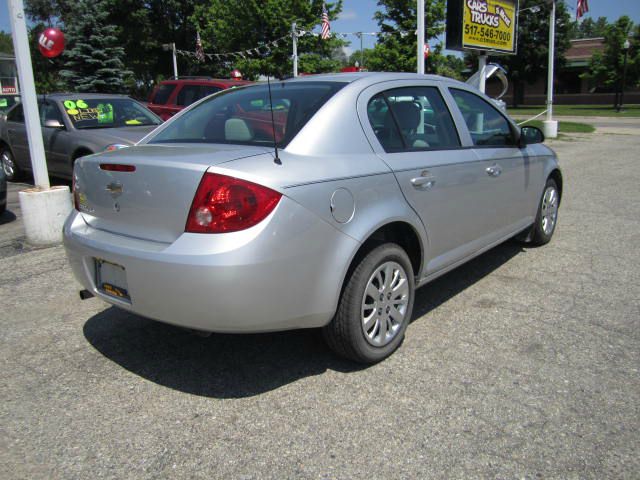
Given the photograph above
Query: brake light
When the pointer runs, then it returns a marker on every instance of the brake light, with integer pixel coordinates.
(117, 167)
(225, 204)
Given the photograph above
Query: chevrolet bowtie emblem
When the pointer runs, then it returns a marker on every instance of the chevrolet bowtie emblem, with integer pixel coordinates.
(114, 188)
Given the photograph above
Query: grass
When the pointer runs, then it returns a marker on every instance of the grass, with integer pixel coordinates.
(566, 127)
(578, 111)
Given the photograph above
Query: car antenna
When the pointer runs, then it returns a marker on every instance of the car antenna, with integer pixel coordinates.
(273, 125)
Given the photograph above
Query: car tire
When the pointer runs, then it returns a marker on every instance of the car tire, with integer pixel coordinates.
(366, 329)
(547, 216)
(9, 165)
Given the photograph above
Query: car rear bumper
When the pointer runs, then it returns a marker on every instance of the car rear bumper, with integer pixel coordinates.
(278, 275)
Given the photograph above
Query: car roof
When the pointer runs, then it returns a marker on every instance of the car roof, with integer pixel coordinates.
(66, 95)
(371, 77)
(206, 81)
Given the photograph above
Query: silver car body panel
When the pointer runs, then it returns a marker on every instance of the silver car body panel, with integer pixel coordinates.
(339, 186)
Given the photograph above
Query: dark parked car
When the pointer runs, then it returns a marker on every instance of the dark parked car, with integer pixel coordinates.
(171, 96)
(73, 125)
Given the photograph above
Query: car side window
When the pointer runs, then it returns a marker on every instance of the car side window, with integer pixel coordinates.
(50, 111)
(16, 115)
(417, 116)
(487, 126)
(383, 124)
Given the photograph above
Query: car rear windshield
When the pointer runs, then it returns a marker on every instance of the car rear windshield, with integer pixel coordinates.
(244, 115)
(107, 113)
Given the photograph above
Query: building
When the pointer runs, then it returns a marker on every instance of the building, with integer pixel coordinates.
(569, 87)
(9, 90)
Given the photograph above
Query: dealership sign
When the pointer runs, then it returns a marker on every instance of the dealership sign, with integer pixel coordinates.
(488, 25)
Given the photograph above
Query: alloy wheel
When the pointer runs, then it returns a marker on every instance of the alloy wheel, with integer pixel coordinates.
(549, 210)
(7, 164)
(384, 305)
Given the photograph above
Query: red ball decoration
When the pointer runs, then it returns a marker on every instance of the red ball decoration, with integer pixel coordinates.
(51, 42)
(235, 74)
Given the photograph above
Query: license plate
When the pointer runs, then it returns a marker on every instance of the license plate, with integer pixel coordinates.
(111, 279)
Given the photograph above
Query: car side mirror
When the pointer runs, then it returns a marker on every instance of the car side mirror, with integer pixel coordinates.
(530, 135)
(52, 123)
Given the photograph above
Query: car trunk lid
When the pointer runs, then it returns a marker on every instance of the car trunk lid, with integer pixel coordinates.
(152, 202)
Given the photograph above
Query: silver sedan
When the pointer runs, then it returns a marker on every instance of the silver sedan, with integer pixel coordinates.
(380, 183)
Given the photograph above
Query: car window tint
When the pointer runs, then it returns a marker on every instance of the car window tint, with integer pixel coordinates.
(49, 111)
(209, 90)
(16, 115)
(486, 124)
(423, 118)
(383, 124)
(163, 93)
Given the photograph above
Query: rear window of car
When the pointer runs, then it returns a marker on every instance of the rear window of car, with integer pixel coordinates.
(163, 93)
(244, 115)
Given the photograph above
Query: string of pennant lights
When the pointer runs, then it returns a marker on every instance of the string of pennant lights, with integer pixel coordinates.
(265, 49)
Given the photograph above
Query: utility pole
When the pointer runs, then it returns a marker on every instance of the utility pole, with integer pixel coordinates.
(294, 38)
(172, 46)
(175, 61)
(549, 125)
(360, 35)
(420, 36)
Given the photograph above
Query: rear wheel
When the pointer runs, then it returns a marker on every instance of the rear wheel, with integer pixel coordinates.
(547, 216)
(375, 306)
(11, 169)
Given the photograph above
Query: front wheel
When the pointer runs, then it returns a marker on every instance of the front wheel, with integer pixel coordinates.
(375, 306)
(547, 217)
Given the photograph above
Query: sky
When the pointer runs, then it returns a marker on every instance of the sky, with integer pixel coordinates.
(357, 16)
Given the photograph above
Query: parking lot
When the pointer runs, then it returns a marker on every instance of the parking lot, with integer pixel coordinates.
(524, 363)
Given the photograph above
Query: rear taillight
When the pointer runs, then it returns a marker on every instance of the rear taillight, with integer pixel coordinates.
(226, 204)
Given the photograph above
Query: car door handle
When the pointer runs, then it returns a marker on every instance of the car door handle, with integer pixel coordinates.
(494, 171)
(423, 182)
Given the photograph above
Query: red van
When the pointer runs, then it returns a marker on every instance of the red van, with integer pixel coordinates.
(171, 96)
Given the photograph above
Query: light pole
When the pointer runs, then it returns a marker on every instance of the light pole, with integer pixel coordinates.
(550, 126)
(420, 33)
(625, 49)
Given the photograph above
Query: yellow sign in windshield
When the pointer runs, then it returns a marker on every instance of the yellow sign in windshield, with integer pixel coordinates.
(489, 25)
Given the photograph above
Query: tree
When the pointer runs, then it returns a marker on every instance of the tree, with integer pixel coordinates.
(6, 43)
(396, 47)
(93, 61)
(531, 61)
(588, 28)
(606, 68)
(239, 25)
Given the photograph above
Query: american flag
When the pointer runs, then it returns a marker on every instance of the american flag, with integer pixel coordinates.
(581, 8)
(326, 27)
(199, 49)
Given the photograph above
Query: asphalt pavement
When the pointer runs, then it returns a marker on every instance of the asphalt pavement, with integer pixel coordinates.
(524, 363)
